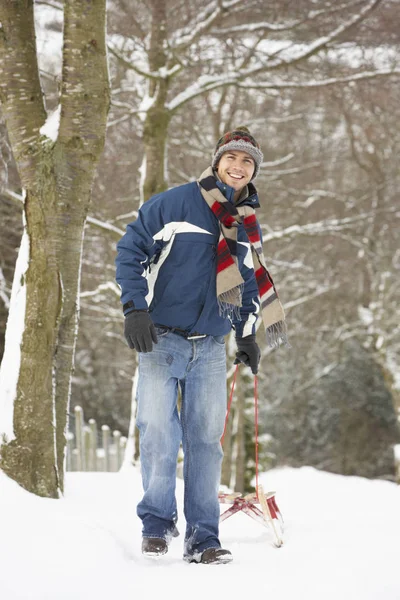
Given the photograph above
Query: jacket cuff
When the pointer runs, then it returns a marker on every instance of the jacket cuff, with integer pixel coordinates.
(252, 336)
(137, 304)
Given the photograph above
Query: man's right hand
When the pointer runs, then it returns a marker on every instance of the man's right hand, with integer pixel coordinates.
(139, 331)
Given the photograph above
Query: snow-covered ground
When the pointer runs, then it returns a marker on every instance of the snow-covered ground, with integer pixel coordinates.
(342, 542)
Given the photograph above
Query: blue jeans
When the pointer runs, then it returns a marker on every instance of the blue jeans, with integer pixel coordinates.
(198, 367)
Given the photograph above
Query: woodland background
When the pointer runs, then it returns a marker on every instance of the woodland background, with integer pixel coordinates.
(319, 89)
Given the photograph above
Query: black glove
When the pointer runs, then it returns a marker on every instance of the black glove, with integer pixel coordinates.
(248, 352)
(140, 332)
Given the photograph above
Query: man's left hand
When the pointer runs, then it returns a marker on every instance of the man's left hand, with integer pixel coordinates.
(248, 352)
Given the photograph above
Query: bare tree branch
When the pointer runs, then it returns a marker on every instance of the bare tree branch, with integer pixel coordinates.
(16, 198)
(322, 83)
(107, 226)
(129, 65)
(204, 21)
(292, 171)
(311, 296)
(110, 285)
(278, 161)
(51, 3)
(208, 83)
(320, 227)
(264, 26)
(153, 75)
(314, 380)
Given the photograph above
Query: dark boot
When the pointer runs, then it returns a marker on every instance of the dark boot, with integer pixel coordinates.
(173, 533)
(154, 546)
(212, 556)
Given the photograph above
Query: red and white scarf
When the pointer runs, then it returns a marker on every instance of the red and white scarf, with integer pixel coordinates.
(229, 280)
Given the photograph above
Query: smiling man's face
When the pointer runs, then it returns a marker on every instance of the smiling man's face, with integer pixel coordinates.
(236, 169)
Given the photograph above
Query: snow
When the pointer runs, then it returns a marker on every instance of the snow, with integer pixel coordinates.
(52, 124)
(145, 105)
(49, 39)
(3, 290)
(341, 541)
(365, 314)
(9, 368)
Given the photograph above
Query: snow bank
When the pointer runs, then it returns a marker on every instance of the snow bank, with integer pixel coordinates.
(341, 541)
(10, 364)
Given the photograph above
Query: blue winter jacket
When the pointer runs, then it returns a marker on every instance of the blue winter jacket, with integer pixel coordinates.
(166, 262)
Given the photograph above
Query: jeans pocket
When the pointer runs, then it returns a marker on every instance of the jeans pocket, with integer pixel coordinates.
(218, 339)
(161, 332)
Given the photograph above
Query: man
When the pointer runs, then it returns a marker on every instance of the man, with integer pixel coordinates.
(190, 268)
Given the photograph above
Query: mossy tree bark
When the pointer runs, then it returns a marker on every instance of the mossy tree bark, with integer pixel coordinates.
(158, 116)
(57, 179)
(85, 100)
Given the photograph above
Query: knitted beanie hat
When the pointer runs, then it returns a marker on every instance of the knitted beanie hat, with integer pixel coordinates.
(239, 139)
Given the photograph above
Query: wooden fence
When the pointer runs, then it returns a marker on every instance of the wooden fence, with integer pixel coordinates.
(92, 450)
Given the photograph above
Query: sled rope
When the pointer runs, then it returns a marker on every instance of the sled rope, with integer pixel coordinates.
(255, 417)
(256, 428)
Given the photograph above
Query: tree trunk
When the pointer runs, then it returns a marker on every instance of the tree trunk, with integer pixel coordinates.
(158, 116)
(57, 180)
(155, 142)
(85, 99)
(30, 457)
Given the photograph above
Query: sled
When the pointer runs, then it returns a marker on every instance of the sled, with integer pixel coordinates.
(270, 516)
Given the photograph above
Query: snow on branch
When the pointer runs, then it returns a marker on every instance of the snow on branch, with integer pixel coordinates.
(105, 225)
(130, 65)
(312, 295)
(292, 171)
(287, 58)
(266, 26)
(321, 42)
(110, 285)
(317, 228)
(279, 161)
(204, 22)
(107, 314)
(323, 82)
(4, 295)
(16, 198)
(185, 40)
(162, 73)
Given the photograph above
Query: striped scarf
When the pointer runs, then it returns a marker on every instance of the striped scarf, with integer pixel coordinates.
(230, 283)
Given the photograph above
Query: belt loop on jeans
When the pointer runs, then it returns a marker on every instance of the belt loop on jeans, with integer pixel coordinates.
(183, 333)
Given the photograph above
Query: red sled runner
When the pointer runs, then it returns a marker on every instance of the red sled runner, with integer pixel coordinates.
(269, 515)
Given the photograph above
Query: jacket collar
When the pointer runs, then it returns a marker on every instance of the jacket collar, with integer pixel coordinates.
(248, 197)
